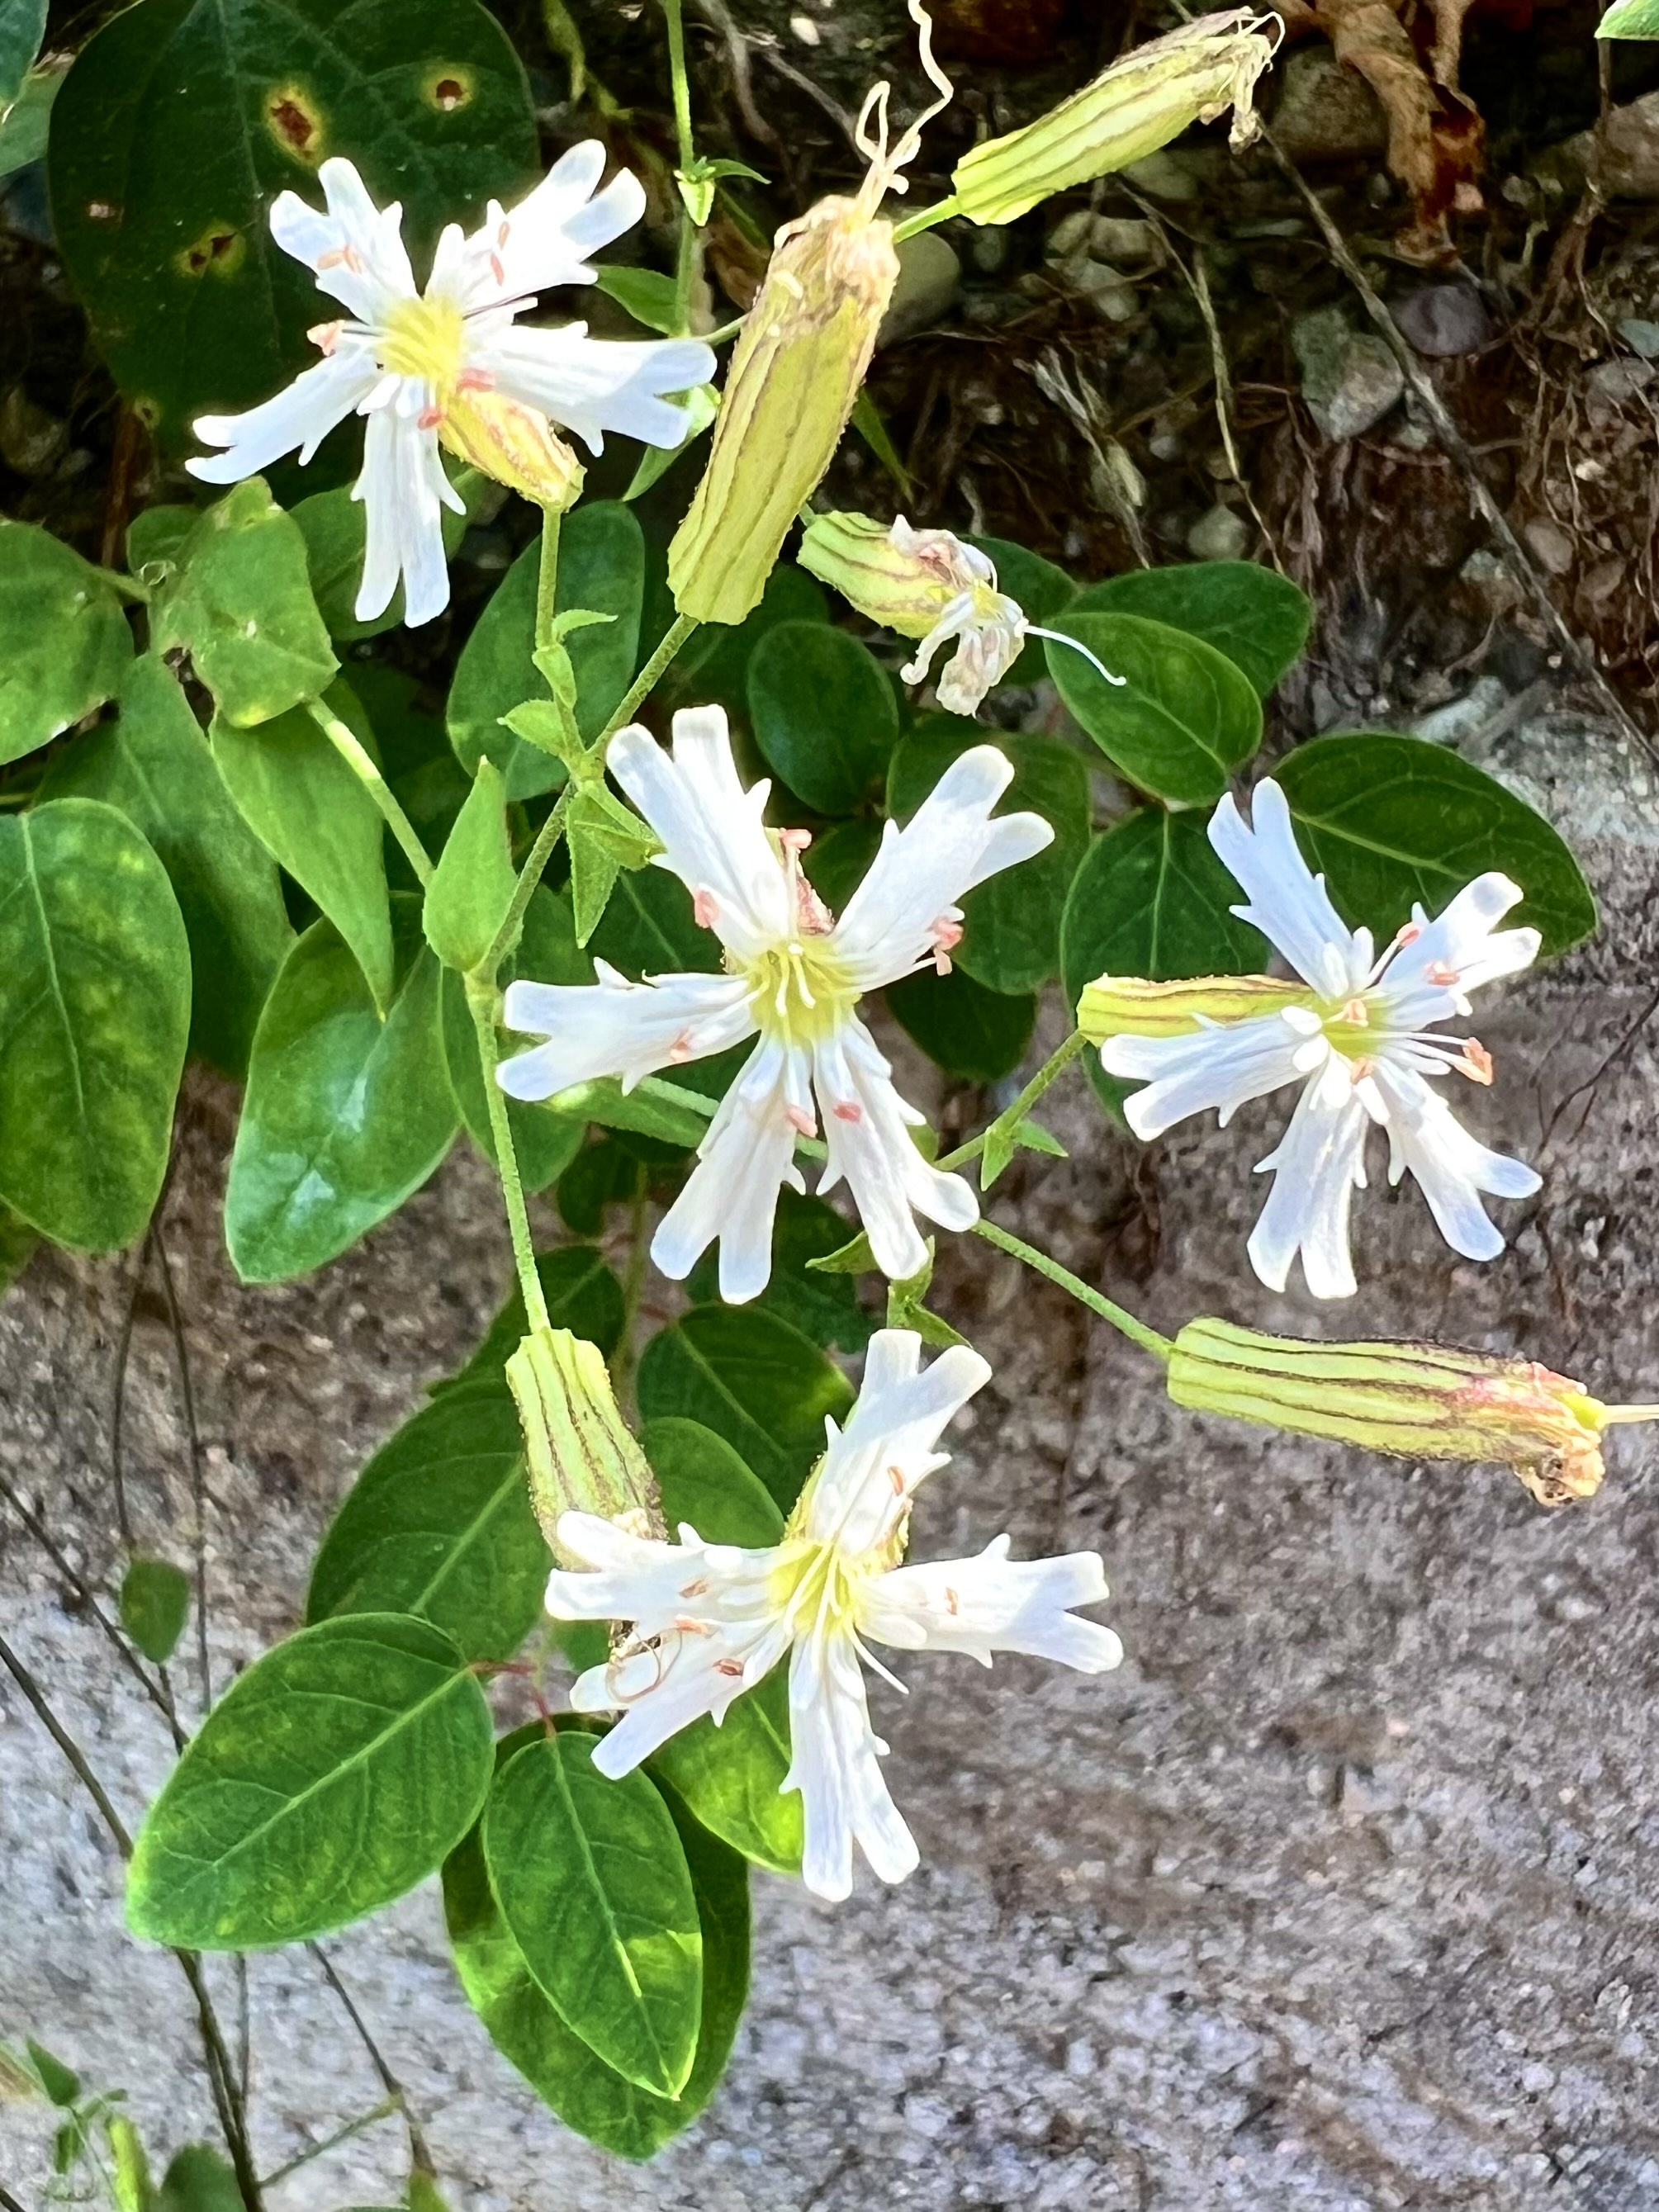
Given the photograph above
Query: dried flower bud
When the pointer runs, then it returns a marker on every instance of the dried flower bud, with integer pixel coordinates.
(1128, 1005)
(1424, 1402)
(514, 445)
(1129, 111)
(796, 371)
(580, 1455)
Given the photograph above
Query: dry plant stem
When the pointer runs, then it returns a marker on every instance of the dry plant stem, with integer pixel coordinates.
(397, 2097)
(1138, 1332)
(383, 2110)
(222, 2080)
(1515, 554)
(198, 1472)
(357, 760)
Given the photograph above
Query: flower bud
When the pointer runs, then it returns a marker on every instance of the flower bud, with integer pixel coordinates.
(514, 445)
(580, 1455)
(1129, 111)
(796, 370)
(1129, 1006)
(1425, 1401)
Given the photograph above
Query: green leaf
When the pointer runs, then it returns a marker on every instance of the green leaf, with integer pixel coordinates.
(198, 2180)
(439, 1525)
(329, 1778)
(1184, 717)
(155, 765)
(755, 1381)
(473, 882)
(569, 2077)
(601, 569)
(1392, 820)
(651, 298)
(1257, 618)
(732, 1776)
(60, 2085)
(64, 638)
(335, 526)
(978, 1034)
(22, 27)
(346, 1115)
(1629, 19)
(239, 601)
(1010, 925)
(824, 715)
(1153, 900)
(713, 666)
(314, 817)
(545, 1142)
(838, 859)
(1041, 590)
(182, 120)
(825, 1307)
(649, 929)
(582, 1295)
(94, 1013)
(26, 126)
(593, 1885)
(153, 1606)
(155, 538)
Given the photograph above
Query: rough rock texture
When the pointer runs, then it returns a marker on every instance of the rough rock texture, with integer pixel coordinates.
(1339, 1896)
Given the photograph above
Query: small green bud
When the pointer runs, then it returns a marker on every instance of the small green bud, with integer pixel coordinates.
(1129, 1006)
(579, 1453)
(472, 885)
(1423, 1401)
(1130, 110)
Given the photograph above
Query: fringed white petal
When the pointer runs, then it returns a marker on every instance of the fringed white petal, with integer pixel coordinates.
(710, 827)
(873, 1466)
(591, 385)
(545, 239)
(993, 1603)
(299, 417)
(731, 1194)
(1451, 1168)
(922, 872)
(355, 250)
(1317, 1168)
(614, 1027)
(403, 490)
(1284, 900)
(835, 1767)
(866, 1134)
(1219, 1067)
(1431, 976)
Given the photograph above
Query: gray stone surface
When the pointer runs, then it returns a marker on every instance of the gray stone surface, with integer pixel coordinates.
(1339, 1896)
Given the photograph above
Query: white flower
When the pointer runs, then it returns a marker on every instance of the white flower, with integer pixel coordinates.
(794, 975)
(406, 358)
(1361, 1046)
(709, 1619)
(988, 627)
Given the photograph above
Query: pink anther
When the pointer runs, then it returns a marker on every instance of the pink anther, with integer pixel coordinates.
(428, 418)
(849, 1110)
(705, 909)
(325, 337)
(474, 379)
(1476, 1062)
(800, 1120)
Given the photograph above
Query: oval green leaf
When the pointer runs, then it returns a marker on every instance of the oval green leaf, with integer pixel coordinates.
(824, 714)
(345, 1115)
(439, 1525)
(313, 816)
(336, 1773)
(22, 26)
(153, 1606)
(978, 1034)
(569, 2077)
(64, 638)
(1184, 717)
(182, 120)
(1010, 925)
(602, 569)
(1257, 618)
(755, 1381)
(155, 765)
(94, 1014)
(592, 1883)
(1393, 820)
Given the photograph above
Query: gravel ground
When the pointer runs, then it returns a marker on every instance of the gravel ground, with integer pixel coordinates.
(1338, 1897)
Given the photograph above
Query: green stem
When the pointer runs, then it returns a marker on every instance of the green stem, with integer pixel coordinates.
(383, 2110)
(547, 577)
(726, 332)
(925, 218)
(646, 682)
(1007, 1122)
(1138, 1332)
(481, 1002)
(682, 83)
(358, 761)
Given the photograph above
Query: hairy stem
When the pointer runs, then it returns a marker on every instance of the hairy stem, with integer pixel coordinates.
(1010, 1119)
(646, 682)
(1138, 1332)
(481, 1002)
(357, 760)
(547, 577)
(682, 83)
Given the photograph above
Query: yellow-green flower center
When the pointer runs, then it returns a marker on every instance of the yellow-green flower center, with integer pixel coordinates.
(802, 993)
(425, 338)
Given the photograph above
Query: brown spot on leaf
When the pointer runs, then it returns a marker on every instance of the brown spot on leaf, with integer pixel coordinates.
(296, 123)
(219, 250)
(449, 90)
